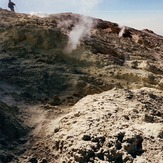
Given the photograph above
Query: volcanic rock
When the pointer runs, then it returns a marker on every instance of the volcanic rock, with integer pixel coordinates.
(113, 128)
(88, 90)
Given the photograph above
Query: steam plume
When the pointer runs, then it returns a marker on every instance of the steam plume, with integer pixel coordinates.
(81, 30)
(84, 26)
(122, 31)
(39, 14)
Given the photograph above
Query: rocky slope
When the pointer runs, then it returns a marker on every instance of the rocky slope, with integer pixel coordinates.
(115, 126)
(48, 64)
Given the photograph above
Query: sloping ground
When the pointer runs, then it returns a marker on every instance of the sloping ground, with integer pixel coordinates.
(32, 58)
(114, 126)
(38, 66)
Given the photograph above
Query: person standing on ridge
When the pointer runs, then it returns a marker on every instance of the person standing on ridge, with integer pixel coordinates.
(11, 5)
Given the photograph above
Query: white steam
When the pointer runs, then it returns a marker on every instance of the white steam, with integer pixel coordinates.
(65, 24)
(83, 28)
(39, 14)
(122, 31)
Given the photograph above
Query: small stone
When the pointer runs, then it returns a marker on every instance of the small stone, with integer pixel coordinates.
(160, 135)
(148, 118)
(56, 129)
(118, 145)
(33, 160)
(126, 117)
(86, 137)
(56, 146)
(120, 136)
(43, 160)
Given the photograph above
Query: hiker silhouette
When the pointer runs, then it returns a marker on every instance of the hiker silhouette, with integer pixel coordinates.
(11, 5)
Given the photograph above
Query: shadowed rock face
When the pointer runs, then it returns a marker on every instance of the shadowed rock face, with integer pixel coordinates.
(37, 65)
(11, 131)
(33, 57)
(10, 127)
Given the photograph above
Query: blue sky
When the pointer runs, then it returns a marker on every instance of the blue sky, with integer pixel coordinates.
(140, 14)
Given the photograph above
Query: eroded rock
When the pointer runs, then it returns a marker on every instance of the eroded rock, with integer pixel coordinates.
(108, 135)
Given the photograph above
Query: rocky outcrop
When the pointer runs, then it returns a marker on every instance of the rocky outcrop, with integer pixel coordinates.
(115, 126)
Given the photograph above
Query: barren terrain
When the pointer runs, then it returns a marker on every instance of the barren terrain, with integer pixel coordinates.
(79, 89)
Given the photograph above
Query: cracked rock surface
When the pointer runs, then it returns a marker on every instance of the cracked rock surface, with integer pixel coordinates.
(114, 126)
